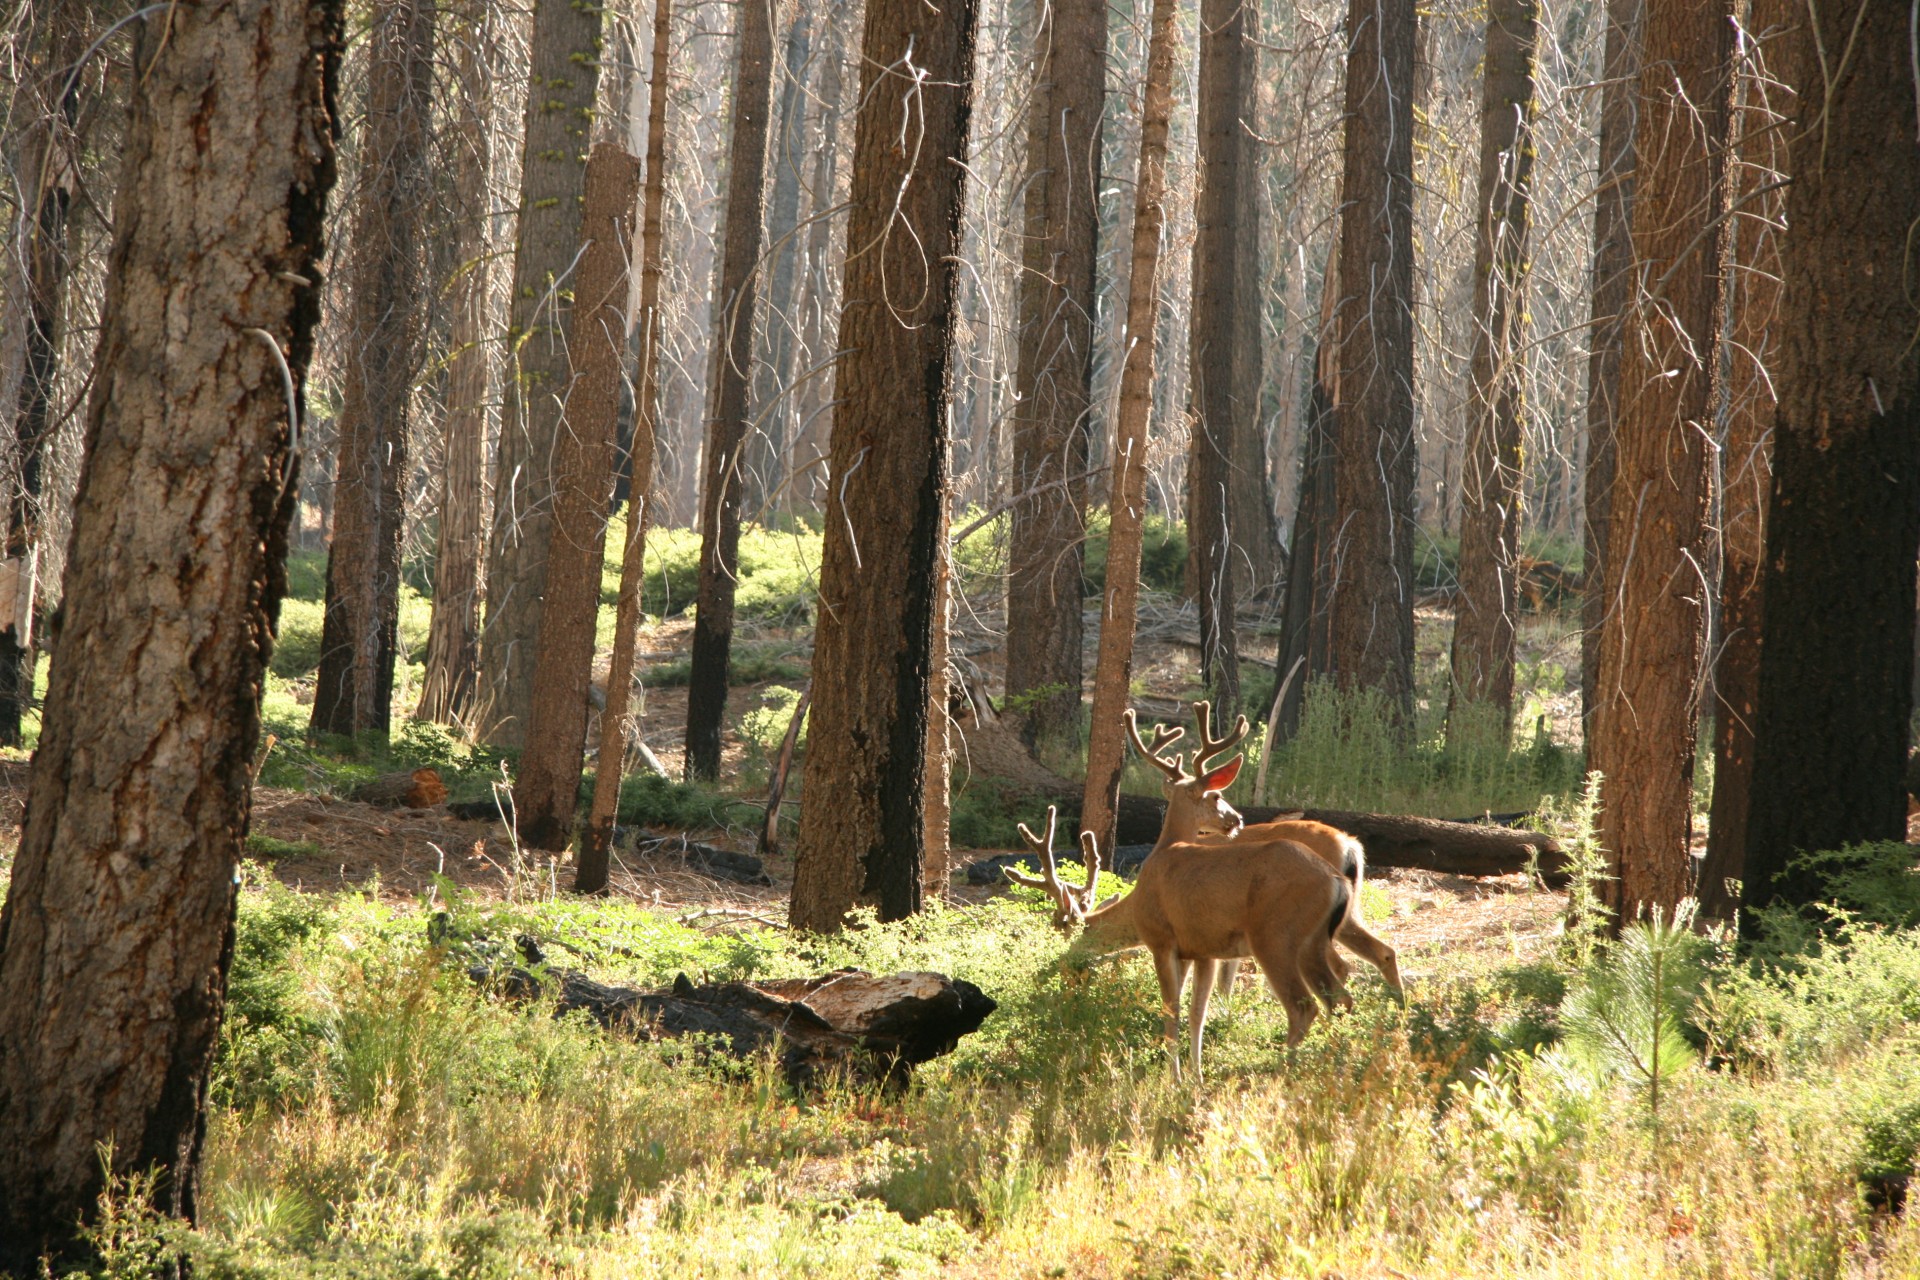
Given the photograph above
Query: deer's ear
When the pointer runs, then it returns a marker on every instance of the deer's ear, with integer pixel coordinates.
(1222, 778)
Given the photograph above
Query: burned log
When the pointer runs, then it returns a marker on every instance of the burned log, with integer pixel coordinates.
(871, 1029)
(720, 864)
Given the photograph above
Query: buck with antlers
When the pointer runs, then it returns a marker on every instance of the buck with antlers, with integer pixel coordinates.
(1197, 810)
(1196, 905)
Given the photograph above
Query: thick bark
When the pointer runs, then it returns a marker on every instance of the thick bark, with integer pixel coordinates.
(452, 673)
(1746, 452)
(1127, 507)
(1653, 634)
(1612, 290)
(564, 67)
(732, 387)
(118, 928)
(386, 330)
(1374, 456)
(1221, 278)
(48, 176)
(596, 843)
(863, 815)
(1485, 618)
(548, 789)
(937, 819)
(1053, 416)
(1835, 689)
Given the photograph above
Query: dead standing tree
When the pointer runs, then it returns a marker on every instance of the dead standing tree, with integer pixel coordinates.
(386, 330)
(564, 73)
(1053, 418)
(549, 787)
(732, 389)
(863, 815)
(124, 885)
(1485, 621)
(596, 844)
(1120, 600)
(48, 178)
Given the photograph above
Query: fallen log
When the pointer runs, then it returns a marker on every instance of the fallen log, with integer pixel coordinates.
(408, 788)
(720, 864)
(873, 1029)
(1391, 840)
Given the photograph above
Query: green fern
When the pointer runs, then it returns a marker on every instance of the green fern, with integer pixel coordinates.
(1625, 1020)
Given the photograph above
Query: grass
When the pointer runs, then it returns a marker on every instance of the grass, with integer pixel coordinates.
(378, 1114)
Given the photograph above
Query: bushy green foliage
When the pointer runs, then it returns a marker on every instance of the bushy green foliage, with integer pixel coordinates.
(779, 571)
(1163, 554)
(748, 664)
(1349, 754)
(649, 800)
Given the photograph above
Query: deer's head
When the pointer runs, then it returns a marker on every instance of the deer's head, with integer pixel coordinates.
(1196, 802)
(1071, 904)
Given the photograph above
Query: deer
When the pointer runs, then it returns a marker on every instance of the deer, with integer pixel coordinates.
(1197, 905)
(1197, 810)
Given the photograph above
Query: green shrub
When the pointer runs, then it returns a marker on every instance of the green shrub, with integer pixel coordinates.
(1163, 554)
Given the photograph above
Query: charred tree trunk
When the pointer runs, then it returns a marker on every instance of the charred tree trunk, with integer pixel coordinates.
(453, 638)
(863, 816)
(1374, 457)
(118, 928)
(1220, 278)
(1127, 507)
(1831, 721)
(1306, 640)
(548, 791)
(48, 174)
(1054, 418)
(732, 386)
(1485, 620)
(1612, 291)
(564, 66)
(596, 844)
(1755, 234)
(1653, 637)
(353, 690)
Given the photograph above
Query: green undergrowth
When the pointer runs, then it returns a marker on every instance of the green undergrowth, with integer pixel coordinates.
(378, 1112)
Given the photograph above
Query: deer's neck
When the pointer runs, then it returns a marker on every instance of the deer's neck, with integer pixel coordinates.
(1110, 927)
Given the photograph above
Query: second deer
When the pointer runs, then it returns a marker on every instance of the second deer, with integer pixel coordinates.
(1197, 905)
(1197, 810)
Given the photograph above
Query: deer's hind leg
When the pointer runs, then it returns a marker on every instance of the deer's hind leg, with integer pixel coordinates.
(1204, 973)
(1171, 969)
(1281, 963)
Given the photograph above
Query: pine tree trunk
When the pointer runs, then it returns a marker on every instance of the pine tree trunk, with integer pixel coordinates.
(1053, 415)
(1747, 451)
(353, 690)
(1612, 292)
(732, 387)
(596, 844)
(453, 638)
(1127, 507)
(1256, 561)
(773, 398)
(1837, 606)
(564, 66)
(937, 838)
(548, 790)
(1486, 618)
(1220, 278)
(1653, 635)
(1305, 641)
(48, 173)
(1374, 456)
(118, 928)
(863, 815)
